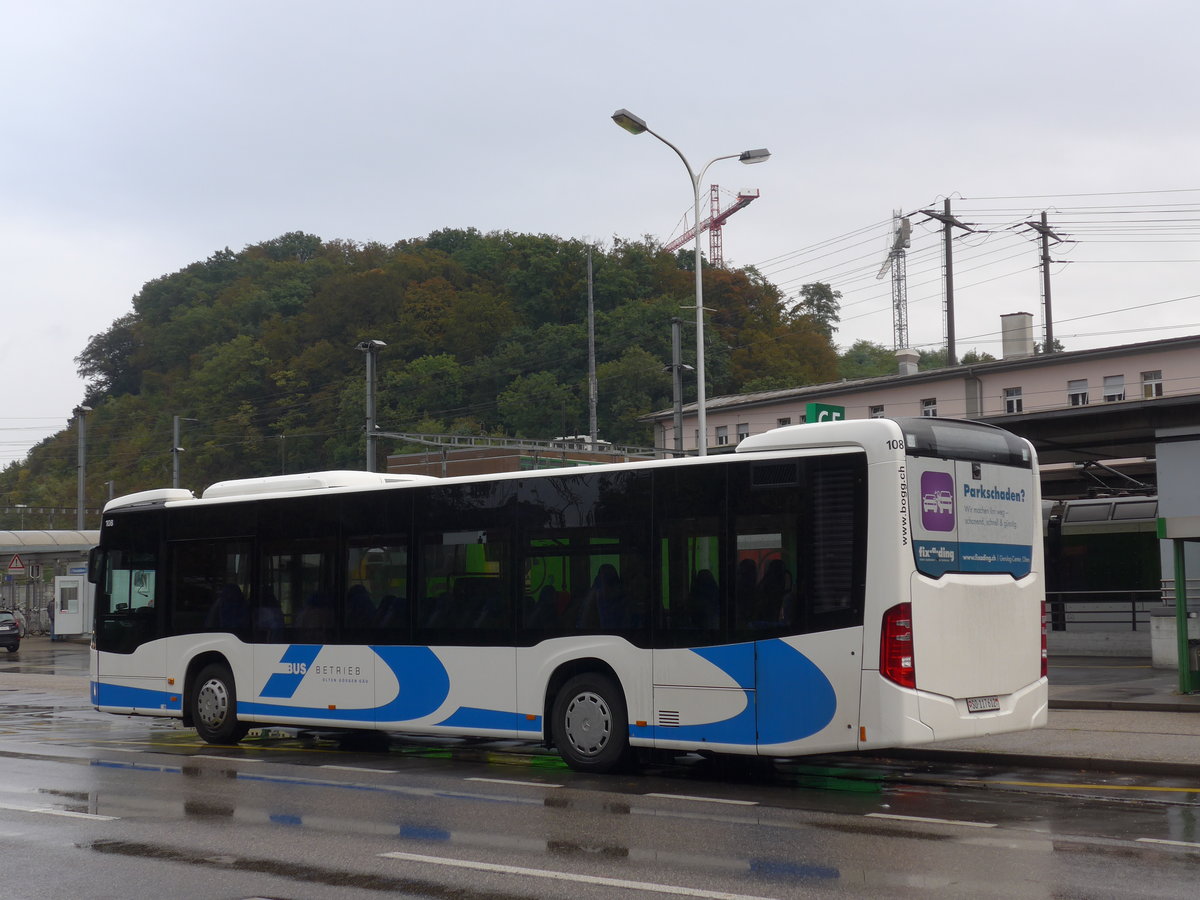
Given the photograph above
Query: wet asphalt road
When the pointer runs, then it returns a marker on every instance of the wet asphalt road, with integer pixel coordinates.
(93, 805)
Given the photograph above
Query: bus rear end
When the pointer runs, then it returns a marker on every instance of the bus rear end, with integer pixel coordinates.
(962, 650)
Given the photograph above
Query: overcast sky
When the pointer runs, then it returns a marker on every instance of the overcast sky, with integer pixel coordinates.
(142, 136)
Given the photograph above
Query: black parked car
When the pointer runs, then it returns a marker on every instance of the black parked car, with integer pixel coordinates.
(10, 631)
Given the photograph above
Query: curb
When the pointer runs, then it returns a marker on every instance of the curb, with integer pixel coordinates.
(1126, 705)
(1038, 761)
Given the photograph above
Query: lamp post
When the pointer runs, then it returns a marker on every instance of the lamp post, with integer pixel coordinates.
(636, 125)
(371, 349)
(81, 464)
(176, 449)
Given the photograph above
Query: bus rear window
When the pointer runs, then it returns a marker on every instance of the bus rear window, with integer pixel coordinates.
(970, 441)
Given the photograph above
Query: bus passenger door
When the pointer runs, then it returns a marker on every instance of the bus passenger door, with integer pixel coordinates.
(305, 667)
(704, 686)
(798, 592)
(131, 662)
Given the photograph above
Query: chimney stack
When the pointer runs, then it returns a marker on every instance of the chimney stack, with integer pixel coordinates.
(907, 358)
(1016, 330)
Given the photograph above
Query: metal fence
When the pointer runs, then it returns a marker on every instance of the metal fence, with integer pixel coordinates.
(1101, 610)
(30, 600)
(1112, 610)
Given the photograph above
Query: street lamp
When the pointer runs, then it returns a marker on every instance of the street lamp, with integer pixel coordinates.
(176, 449)
(635, 125)
(371, 349)
(81, 464)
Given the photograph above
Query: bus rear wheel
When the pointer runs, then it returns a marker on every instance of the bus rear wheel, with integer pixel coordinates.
(589, 724)
(214, 706)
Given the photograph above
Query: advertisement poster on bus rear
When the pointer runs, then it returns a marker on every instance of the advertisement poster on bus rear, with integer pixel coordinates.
(972, 517)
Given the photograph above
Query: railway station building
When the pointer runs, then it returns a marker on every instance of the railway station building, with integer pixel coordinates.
(1113, 424)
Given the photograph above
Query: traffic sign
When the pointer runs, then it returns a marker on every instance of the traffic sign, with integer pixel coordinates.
(16, 564)
(823, 412)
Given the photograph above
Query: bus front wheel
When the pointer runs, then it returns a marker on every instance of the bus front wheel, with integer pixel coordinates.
(589, 724)
(214, 706)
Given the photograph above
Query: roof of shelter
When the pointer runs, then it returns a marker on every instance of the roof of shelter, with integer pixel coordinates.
(48, 541)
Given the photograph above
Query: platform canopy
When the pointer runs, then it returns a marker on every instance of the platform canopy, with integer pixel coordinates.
(47, 541)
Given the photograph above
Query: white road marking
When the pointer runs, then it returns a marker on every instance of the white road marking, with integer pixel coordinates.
(931, 821)
(1192, 844)
(359, 769)
(226, 759)
(648, 886)
(66, 813)
(513, 781)
(703, 799)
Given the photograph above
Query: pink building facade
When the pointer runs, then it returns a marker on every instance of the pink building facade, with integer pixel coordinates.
(1020, 384)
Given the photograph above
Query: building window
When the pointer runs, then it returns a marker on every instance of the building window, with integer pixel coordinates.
(722, 435)
(929, 407)
(1077, 392)
(743, 431)
(1114, 388)
(782, 423)
(1013, 403)
(875, 412)
(1152, 384)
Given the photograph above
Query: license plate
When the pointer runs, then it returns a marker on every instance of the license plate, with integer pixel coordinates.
(983, 704)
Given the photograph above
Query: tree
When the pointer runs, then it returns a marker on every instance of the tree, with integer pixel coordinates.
(933, 359)
(820, 301)
(630, 387)
(106, 363)
(866, 359)
(973, 357)
(1040, 347)
(430, 387)
(939, 358)
(485, 332)
(537, 406)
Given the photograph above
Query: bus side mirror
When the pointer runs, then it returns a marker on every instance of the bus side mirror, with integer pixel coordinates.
(96, 559)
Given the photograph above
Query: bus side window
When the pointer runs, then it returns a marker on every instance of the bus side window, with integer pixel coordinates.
(464, 593)
(300, 579)
(766, 582)
(210, 585)
(689, 607)
(376, 603)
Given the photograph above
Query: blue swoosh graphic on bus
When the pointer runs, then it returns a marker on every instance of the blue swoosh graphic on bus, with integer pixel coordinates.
(423, 683)
(470, 717)
(298, 657)
(801, 704)
(134, 698)
(735, 660)
(800, 699)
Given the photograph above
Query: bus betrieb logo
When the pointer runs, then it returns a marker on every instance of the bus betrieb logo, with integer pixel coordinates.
(937, 501)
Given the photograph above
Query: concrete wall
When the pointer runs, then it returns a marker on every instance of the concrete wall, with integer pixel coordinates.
(1096, 643)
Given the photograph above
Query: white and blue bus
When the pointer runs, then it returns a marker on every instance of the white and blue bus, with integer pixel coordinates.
(829, 587)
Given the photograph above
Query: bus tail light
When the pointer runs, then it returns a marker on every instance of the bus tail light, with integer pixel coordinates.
(896, 661)
(1045, 658)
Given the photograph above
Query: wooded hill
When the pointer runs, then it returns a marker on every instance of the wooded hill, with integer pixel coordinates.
(485, 334)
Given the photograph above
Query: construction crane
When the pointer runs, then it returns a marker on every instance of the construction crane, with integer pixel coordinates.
(901, 240)
(716, 218)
